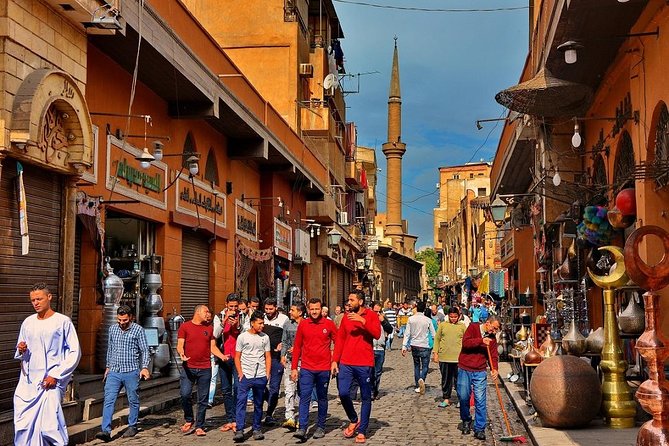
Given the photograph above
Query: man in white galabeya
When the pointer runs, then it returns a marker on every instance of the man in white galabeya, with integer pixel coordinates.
(48, 349)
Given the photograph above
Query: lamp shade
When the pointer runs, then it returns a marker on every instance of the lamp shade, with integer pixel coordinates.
(498, 210)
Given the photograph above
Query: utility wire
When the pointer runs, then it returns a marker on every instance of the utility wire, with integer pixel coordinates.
(416, 9)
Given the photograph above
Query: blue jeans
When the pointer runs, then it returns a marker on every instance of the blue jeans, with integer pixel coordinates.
(400, 334)
(113, 384)
(257, 386)
(214, 377)
(363, 375)
(389, 339)
(272, 392)
(310, 380)
(421, 362)
(200, 378)
(478, 381)
(379, 358)
(228, 374)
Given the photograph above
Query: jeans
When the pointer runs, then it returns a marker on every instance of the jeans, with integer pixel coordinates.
(290, 387)
(389, 339)
(257, 386)
(363, 375)
(228, 374)
(113, 384)
(201, 378)
(379, 358)
(478, 381)
(400, 333)
(310, 379)
(421, 363)
(449, 378)
(214, 377)
(272, 392)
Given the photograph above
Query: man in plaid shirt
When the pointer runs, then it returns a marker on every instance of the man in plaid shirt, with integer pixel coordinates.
(127, 361)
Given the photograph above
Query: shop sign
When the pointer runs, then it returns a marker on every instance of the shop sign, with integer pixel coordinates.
(90, 173)
(283, 239)
(302, 246)
(200, 199)
(125, 176)
(246, 221)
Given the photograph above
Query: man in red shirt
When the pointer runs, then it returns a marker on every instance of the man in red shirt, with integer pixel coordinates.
(353, 360)
(312, 350)
(195, 345)
(478, 340)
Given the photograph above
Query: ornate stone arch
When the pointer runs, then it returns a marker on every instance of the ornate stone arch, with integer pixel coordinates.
(50, 121)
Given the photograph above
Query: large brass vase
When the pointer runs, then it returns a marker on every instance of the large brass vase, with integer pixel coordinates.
(618, 404)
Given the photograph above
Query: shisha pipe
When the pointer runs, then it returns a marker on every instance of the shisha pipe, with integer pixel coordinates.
(653, 394)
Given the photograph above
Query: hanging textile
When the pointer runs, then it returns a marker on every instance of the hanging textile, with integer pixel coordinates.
(246, 257)
(484, 284)
(23, 210)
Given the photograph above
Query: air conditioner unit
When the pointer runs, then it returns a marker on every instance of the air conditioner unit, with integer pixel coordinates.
(343, 218)
(306, 70)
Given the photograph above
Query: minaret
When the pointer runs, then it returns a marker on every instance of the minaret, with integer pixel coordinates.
(394, 150)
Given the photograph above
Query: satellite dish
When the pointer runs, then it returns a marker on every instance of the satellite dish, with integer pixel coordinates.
(330, 81)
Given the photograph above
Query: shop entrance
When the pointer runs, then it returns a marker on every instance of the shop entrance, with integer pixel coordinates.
(44, 192)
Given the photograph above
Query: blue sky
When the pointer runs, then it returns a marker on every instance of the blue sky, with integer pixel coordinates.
(451, 67)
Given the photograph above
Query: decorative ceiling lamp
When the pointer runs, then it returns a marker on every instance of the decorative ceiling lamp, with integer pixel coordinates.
(545, 95)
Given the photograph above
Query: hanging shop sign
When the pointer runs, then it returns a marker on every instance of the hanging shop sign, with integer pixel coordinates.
(90, 173)
(125, 176)
(283, 239)
(200, 200)
(302, 246)
(246, 221)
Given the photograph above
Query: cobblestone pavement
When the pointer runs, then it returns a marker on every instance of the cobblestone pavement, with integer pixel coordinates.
(399, 417)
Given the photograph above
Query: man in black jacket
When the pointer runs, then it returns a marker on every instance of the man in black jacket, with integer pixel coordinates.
(380, 348)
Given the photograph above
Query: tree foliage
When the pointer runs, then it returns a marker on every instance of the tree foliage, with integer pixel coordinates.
(431, 259)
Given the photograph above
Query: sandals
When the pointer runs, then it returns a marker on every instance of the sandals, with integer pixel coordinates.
(361, 438)
(443, 404)
(186, 427)
(349, 432)
(200, 432)
(229, 427)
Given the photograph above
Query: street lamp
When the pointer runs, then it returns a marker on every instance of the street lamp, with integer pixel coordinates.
(368, 262)
(334, 237)
(498, 211)
(146, 157)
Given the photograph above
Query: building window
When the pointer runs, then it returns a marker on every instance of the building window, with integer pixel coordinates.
(456, 176)
(624, 164)
(211, 168)
(471, 175)
(482, 192)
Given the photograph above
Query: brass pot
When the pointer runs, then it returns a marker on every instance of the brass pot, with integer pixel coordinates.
(533, 356)
(574, 342)
(595, 341)
(521, 335)
(633, 319)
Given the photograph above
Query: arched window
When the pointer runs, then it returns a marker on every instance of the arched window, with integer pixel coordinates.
(623, 171)
(211, 168)
(662, 144)
(599, 172)
(189, 147)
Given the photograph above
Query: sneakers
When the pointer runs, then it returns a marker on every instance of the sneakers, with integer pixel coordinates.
(319, 433)
(421, 386)
(104, 436)
(270, 421)
(258, 435)
(480, 435)
(130, 432)
(239, 437)
(300, 434)
(289, 424)
(417, 390)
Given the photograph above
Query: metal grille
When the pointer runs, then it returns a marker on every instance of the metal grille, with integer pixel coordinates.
(662, 144)
(194, 272)
(599, 172)
(623, 172)
(18, 273)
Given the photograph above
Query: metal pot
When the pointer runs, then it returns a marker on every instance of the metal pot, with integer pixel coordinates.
(633, 319)
(574, 342)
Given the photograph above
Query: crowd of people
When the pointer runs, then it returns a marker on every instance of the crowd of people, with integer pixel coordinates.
(252, 352)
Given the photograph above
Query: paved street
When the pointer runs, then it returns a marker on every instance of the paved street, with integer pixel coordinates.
(399, 417)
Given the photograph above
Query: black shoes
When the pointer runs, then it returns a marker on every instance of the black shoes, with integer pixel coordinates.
(319, 433)
(300, 434)
(130, 432)
(104, 436)
(466, 427)
(239, 436)
(258, 435)
(270, 421)
(480, 435)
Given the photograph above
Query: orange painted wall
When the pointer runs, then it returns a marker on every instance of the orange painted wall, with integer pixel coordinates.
(108, 91)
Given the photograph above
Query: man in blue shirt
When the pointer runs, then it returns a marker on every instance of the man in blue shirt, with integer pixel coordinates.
(127, 361)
